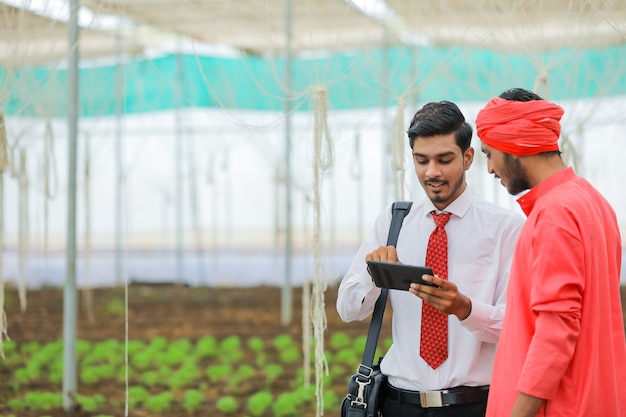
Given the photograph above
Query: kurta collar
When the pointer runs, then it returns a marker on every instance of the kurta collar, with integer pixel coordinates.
(458, 207)
(528, 200)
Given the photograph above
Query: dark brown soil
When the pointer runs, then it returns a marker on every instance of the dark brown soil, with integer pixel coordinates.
(173, 312)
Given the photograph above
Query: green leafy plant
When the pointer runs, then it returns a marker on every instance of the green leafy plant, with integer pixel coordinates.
(192, 400)
(347, 357)
(273, 371)
(219, 372)
(359, 344)
(340, 340)
(150, 378)
(290, 354)
(258, 346)
(336, 370)
(230, 349)
(17, 404)
(259, 402)
(283, 341)
(90, 404)
(43, 401)
(160, 402)
(137, 395)
(304, 394)
(256, 343)
(230, 343)
(285, 405)
(227, 405)
(177, 352)
(331, 401)
(206, 347)
(244, 372)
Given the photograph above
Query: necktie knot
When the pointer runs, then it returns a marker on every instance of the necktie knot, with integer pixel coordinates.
(441, 219)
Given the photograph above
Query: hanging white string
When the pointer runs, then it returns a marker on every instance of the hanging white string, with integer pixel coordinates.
(541, 84)
(306, 331)
(323, 160)
(87, 290)
(49, 169)
(23, 228)
(397, 151)
(4, 163)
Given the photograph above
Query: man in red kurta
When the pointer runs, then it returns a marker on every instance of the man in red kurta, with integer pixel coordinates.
(562, 350)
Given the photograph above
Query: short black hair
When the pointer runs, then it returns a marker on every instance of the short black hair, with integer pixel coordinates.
(440, 118)
(519, 94)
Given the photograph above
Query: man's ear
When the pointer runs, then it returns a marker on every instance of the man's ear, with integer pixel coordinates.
(468, 158)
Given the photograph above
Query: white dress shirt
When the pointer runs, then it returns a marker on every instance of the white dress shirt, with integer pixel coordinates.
(481, 240)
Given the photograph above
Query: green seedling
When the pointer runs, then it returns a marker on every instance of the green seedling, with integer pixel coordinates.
(243, 373)
(207, 347)
(177, 352)
(273, 371)
(347, 357)
(285, 406)
(43, 401)
(150, 378)
(331, 401)
(259, 402)
(290, 355)
(256, 344)
(137, 395)
(219, 372)
(227, 405)
(17, 404)
(159, 403)
(90, 404)
(192, 400)
(284, 341)
(340, 341)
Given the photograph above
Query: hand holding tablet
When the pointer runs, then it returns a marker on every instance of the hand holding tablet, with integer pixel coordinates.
(398, 276)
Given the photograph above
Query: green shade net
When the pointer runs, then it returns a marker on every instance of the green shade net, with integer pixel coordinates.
(354, 80)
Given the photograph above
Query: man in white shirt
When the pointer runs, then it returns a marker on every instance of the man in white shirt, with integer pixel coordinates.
(481, 238)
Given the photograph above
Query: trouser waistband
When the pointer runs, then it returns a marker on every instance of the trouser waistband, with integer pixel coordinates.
(440, 398)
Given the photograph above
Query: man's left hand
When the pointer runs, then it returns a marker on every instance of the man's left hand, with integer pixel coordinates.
(445, 297)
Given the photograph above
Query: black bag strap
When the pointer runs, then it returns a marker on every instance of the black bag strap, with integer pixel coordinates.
(399, 210)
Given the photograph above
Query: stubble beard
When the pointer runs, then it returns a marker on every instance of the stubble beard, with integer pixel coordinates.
(516, 175)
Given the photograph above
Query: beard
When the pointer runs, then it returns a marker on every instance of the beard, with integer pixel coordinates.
(453, 192)
(516, 175)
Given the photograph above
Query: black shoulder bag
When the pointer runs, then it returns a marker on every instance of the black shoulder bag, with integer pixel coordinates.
(364, 387)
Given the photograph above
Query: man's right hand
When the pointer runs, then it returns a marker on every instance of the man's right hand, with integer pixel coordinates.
(383, 254)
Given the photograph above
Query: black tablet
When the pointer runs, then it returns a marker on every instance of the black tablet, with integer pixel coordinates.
(398, 276)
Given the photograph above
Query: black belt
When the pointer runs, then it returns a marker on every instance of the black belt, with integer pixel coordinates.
(441, 398)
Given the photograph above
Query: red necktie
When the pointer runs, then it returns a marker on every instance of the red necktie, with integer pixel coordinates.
(434, 332)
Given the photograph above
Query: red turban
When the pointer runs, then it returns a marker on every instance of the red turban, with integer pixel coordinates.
(520, 127)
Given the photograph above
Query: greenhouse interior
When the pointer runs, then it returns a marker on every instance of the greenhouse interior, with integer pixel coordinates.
(250, 144)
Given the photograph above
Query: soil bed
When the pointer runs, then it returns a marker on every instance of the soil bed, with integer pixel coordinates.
(173, 312)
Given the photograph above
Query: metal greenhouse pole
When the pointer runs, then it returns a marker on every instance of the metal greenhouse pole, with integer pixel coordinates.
(69, 292)
(286, 298)
(119, 162)
(178, 164)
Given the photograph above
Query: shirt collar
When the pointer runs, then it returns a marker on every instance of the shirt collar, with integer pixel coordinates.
(528, 200)
(458, 207)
